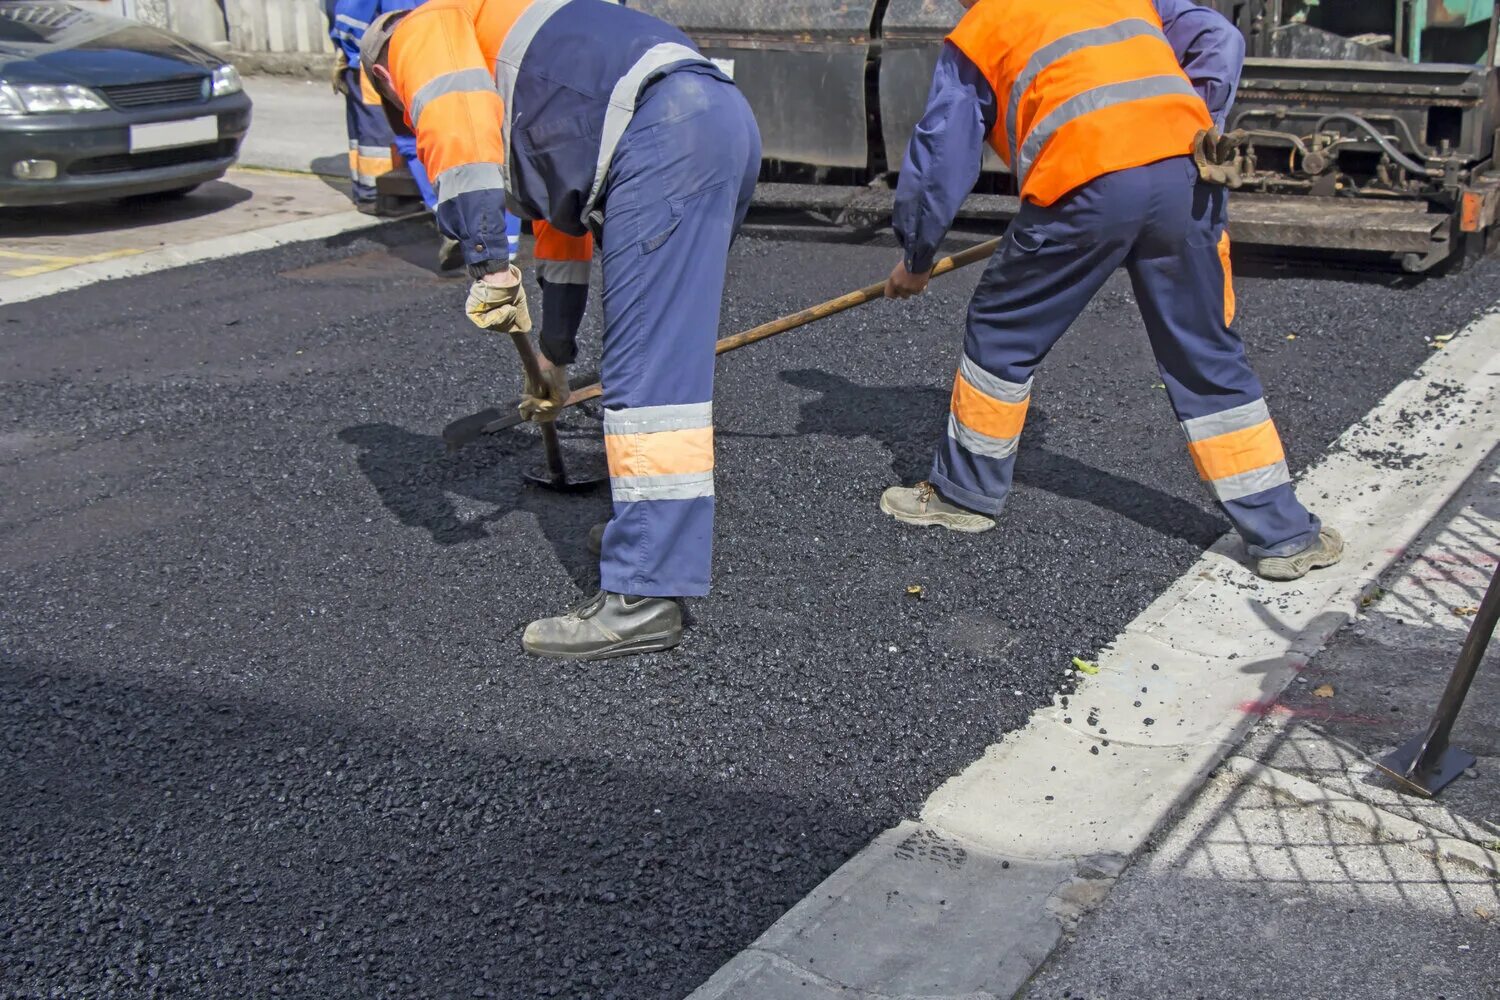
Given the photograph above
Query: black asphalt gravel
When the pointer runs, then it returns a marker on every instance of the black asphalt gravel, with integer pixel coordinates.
(265, 726)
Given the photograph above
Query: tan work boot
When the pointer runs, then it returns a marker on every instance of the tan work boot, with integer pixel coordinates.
(1327, 550)
(607, 625)
(921, 505)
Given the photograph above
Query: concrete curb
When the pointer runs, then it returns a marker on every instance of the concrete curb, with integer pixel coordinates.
(298, 65)
(15, 290)
(1032, 835)
(1386, 825)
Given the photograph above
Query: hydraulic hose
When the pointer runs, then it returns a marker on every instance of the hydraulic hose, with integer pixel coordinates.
(1386, 146)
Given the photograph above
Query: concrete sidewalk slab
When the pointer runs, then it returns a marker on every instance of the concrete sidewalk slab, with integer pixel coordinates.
(1063, 793)
(298, 125)
(1367, 891)
(1254, 897)
(45, 251)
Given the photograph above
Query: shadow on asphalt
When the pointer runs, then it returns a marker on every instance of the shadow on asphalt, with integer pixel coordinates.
(907, 419)
(420, 482)
(195, 844)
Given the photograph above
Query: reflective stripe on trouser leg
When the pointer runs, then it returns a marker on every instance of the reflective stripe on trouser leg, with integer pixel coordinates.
(371, 139)
(1042, 277)
(673, 195)
(1231, 437)
(978, 454)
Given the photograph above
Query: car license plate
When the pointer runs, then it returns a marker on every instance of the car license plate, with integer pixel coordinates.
(165, 135)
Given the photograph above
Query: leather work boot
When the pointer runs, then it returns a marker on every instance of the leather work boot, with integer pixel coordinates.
(921, 505)
(605, 626)
(1327, 550)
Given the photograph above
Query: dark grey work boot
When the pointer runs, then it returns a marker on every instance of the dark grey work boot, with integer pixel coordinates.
(607, 625)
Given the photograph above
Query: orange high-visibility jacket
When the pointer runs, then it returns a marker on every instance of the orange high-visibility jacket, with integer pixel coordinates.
(1083, 88)
(524, 101)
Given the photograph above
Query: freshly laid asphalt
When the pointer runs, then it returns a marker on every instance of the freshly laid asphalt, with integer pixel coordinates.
(265, 726)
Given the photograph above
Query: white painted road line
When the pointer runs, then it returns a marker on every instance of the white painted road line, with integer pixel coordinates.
(14, 290)
(970, 900)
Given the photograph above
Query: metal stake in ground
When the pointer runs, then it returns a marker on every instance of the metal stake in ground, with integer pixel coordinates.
(555, 475)
(1426, 764)
(495, 419)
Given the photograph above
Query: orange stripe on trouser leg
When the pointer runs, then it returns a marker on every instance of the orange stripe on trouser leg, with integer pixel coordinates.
(1228, 279)
(1238, 451)
(986, 415)
(373, 166)
(663, 453)
(367, 92)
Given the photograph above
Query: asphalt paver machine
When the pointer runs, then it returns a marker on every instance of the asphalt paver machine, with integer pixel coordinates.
(1370, 124)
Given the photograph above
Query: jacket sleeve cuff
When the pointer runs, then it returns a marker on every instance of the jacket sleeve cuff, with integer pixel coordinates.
(920, 260)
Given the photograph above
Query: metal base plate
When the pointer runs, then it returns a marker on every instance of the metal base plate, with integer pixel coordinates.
(1452, 763)
(573, 482)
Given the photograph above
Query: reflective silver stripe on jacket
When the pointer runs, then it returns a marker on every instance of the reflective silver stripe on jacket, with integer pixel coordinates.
(352, 21)
(1248, 483)
(1093, 100)
(655, 419)
(993, 386)
(467, 177)
(563, 272)
(981, 444)
(1238, 418)
(462, 81)
(1131, 27)
(687, 486)
(508, 62)
(622, 105)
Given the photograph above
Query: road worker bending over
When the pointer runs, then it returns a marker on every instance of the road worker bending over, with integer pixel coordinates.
(1098, 108)
(594, 120)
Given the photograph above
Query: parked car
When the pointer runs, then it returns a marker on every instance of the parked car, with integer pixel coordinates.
(94, 106)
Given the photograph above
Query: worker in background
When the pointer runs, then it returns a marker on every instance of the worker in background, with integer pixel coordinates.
(1103, 112)
(369, 135)
(603, 122)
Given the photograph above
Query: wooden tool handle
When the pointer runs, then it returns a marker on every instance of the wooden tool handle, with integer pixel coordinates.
(845, 302)
(533, 369)
(472, 426)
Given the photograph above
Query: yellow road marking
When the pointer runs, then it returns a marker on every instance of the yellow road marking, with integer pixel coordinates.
(56, 262)
(18, 255)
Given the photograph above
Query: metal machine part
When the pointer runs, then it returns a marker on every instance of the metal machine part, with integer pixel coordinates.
(1371, 123)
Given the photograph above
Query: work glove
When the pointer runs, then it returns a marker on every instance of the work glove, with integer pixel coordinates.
(499, 308)
(341, 63)
(542, 401)
(1214, 154)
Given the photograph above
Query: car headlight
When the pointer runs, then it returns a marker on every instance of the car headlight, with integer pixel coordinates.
(47, 98)
(227, 81)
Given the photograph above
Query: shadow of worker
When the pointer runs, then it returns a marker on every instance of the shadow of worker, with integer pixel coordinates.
(906, 419)
(418, 480)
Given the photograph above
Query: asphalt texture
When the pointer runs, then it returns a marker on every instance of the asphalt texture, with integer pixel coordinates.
(265, 724)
